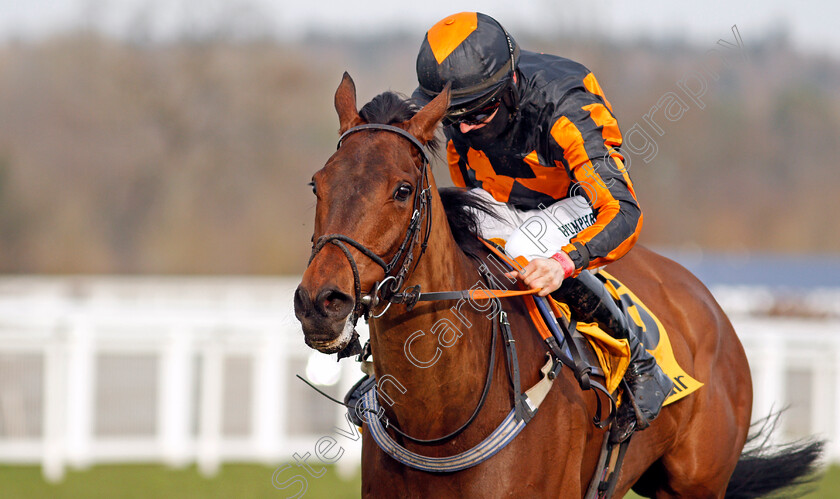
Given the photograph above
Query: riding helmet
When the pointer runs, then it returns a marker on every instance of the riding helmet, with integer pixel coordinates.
(473, 52)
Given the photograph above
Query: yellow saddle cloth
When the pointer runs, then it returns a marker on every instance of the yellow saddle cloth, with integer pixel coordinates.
(614, 355)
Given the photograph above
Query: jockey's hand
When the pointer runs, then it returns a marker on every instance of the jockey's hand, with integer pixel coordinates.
(545, 274)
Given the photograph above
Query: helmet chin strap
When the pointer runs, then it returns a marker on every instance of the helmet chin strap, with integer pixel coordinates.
(510, 98)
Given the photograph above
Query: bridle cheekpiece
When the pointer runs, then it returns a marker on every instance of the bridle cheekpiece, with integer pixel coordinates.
(403, 259)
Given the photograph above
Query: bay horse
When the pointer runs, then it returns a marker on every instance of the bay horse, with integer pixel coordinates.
(367, 207)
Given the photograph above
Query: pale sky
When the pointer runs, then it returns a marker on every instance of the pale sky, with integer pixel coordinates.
(810, 24)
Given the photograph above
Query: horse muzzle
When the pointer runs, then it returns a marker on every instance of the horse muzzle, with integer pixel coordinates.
(327, 321)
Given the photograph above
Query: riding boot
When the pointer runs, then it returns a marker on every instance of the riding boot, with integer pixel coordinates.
(589, 300)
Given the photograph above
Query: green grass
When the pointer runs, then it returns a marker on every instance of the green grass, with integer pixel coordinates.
(156, 481)
(828, 487)
(233, 481)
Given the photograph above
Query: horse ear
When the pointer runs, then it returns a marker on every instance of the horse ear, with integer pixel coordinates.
(345, 104)
(425, 122)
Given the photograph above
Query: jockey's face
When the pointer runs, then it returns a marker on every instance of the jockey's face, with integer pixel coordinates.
(481, 117)
(466, 127)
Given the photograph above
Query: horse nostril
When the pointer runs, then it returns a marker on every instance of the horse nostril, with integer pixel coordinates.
(335, 303)
(302, 302)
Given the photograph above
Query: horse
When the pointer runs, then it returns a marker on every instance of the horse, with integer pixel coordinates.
(379, 216)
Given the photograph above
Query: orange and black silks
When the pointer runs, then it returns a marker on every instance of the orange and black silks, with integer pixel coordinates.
(562, 141)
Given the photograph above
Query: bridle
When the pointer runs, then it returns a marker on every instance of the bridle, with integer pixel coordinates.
(403, 259)
(388, 290)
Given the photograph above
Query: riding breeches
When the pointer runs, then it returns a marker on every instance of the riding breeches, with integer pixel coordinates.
(536, 233)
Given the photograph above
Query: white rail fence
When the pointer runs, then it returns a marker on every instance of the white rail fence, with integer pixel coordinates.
(181, 370)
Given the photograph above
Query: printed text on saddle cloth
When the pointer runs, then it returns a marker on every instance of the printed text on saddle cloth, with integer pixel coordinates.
(535, 233)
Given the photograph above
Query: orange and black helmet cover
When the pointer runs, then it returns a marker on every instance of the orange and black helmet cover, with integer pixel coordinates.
(472, 51)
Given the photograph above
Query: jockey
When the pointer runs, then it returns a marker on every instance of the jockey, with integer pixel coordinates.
(535, 136)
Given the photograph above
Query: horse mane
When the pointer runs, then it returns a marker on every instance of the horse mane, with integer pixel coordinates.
(462, 207)
(391, 108)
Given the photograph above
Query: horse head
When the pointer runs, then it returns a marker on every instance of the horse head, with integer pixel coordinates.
(369, 196)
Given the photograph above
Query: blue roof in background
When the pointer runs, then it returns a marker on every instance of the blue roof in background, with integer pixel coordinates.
(794, 271)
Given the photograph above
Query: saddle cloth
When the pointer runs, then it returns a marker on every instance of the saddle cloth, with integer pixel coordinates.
(614, 355)
(654, 336)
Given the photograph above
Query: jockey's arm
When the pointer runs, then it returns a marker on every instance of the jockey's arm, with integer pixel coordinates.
(585, 141)
(453, 160)
(584, 144)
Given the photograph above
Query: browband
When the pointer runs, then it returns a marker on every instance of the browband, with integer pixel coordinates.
(390, 128)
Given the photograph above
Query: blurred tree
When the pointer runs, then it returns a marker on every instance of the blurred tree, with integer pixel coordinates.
(192, 156)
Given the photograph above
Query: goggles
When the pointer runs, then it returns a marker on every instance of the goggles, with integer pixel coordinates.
(474, 114)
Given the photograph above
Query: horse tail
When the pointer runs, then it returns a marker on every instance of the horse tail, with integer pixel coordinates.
(765, 468)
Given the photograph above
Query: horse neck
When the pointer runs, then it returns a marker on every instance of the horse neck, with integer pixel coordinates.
(458, 340)
(443, 266)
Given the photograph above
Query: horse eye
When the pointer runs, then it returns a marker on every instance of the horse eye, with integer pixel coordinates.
(402, 192)
(312, 184)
